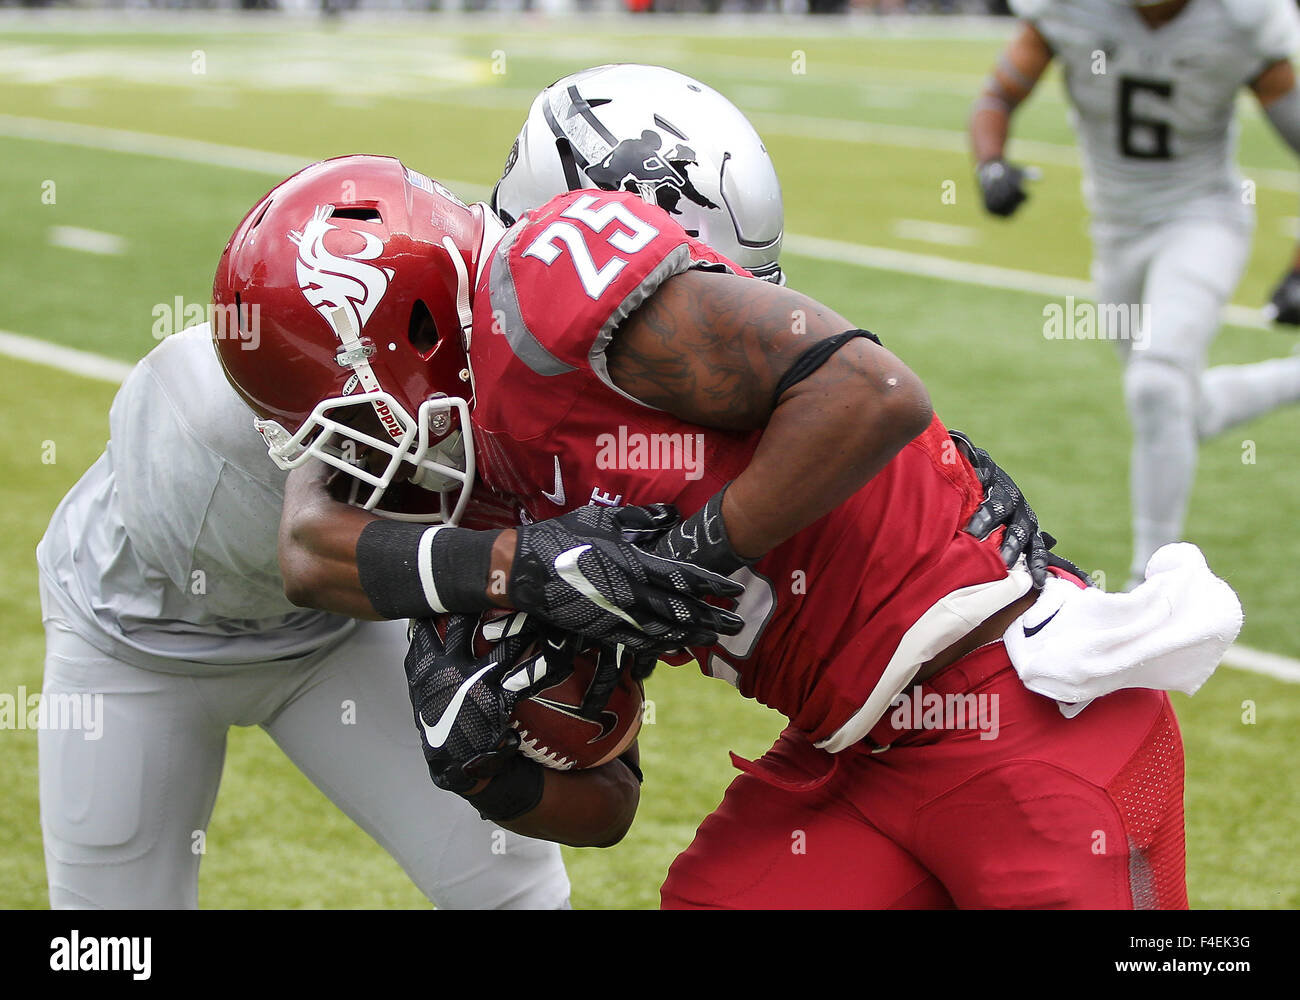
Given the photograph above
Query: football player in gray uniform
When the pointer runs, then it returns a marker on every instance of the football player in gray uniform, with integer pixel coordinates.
(1153, 88)
(161, 592)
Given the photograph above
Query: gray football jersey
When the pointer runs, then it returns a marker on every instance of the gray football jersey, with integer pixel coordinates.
(1154, 109)
(166, 548)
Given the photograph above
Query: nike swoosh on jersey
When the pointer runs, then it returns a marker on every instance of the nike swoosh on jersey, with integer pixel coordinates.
(566, 565)
(1033, 630)
(557, 497)
(438, 733)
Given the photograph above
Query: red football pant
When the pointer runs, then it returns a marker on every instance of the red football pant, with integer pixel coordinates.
(1051, 813)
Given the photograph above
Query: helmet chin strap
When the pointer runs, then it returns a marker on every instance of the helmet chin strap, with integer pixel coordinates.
(356, 355)
(463, 308)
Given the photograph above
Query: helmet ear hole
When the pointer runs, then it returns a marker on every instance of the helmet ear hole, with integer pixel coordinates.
(422, 331)
(262, 214)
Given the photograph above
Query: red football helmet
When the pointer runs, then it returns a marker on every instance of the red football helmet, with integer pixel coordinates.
(342, 297)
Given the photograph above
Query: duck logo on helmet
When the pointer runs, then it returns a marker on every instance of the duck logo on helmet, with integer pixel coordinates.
(330, 282)
(660, 178)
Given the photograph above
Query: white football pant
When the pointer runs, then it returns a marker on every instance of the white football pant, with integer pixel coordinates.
(1179, 276)
(124, 815)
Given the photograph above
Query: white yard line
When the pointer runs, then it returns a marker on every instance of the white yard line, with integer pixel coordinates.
(969, 273)
(87, 240)
(147, 144)
(800, 126)
(166, 147)
(64, 359)
(1283, 668)
(935, 232)
(282, 164)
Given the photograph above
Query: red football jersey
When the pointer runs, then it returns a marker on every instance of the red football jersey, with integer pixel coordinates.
(839, 617)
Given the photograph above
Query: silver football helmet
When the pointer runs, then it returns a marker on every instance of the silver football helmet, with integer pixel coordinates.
(659, 134)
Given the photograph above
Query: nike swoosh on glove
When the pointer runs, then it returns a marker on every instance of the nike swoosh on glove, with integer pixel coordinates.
(463, 704)
(591, 571)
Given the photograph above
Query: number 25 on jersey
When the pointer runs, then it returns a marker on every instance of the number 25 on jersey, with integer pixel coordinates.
(561, 235)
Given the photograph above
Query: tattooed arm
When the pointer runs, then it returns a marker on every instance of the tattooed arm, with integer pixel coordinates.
(712, 349)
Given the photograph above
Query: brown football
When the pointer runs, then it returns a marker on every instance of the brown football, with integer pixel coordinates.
(552, 732)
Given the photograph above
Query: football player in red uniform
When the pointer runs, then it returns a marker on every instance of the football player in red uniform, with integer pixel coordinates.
(612, 360)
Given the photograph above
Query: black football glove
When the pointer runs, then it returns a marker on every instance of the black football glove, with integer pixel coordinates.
(702, 540)
(592, 571)
(612, 660)
(1005, 505)
(1002, 185)
(463, 704)
(1284, 306)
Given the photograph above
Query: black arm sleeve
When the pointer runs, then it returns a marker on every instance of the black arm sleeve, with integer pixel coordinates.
(416, 570)
(813, 358)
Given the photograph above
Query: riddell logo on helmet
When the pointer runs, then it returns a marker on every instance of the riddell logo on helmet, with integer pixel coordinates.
(389, 420)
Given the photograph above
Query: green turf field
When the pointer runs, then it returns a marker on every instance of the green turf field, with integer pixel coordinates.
(865, 131)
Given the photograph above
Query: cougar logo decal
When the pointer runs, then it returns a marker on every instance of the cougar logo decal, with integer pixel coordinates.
(331, 282)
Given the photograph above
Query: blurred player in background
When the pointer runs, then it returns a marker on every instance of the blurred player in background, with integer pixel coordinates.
(1153, 88)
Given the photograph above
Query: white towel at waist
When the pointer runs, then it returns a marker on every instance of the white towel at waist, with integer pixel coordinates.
(1168, 633)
